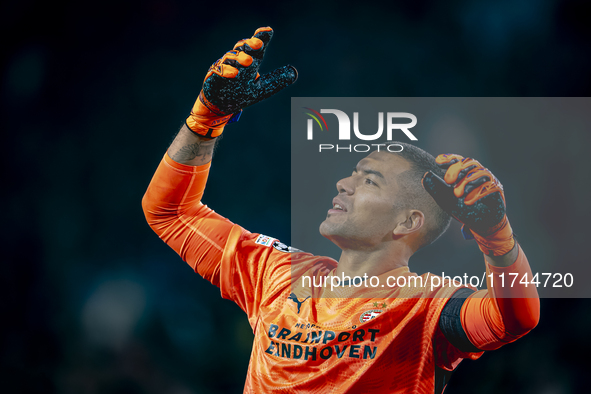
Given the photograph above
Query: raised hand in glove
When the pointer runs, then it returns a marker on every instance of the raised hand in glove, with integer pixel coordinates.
(474, 196)
(233, 83)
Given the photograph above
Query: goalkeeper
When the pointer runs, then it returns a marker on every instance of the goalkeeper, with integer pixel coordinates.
(350, 339)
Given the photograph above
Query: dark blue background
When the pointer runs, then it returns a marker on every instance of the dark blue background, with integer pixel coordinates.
(93, 93)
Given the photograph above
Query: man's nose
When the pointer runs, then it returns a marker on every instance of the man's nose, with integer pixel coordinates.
(345, 185)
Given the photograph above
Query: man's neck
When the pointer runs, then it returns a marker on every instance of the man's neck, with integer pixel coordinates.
(373, 262)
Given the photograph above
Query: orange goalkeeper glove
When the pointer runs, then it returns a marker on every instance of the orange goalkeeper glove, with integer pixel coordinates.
(233, 83)
(474, 196)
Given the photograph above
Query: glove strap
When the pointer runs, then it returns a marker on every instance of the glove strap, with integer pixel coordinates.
(206, 122)
(498, 243)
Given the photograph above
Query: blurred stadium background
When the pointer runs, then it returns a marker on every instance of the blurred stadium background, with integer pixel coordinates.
(93, 93)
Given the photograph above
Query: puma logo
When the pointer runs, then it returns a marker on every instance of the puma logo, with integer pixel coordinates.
(294, 298)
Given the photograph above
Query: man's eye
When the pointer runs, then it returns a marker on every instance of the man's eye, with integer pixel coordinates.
(369, 181)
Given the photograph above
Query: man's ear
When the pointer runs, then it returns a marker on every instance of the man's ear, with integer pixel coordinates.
(414, 221)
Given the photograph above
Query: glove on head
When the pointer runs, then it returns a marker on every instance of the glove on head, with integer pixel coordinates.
(473, 196)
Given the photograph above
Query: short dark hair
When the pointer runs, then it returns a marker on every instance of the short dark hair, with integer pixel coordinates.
(412, 195)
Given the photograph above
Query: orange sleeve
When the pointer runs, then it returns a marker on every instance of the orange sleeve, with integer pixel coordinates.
(503, 313)
(222, 252)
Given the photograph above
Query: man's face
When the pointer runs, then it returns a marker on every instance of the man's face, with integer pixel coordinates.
(363, 213)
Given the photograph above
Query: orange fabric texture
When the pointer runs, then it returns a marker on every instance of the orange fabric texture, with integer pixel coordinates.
(307, 338)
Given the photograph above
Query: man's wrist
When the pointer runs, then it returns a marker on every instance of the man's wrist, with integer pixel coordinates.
(190, 148)
(498, 243)
(205, 122)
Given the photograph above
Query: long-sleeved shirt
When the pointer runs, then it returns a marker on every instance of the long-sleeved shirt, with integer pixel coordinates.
(393, 338)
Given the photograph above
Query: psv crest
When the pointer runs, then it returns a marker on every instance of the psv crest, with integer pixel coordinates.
(368, 315)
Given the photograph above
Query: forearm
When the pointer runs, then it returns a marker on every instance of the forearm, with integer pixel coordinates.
(516, 299)
(173, 209)
(190, 149)
(179, 181)
(178, 184)
(508, 309)
(175, 190)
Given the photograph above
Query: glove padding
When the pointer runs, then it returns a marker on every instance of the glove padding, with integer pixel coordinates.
(233, 83)
(473, 196)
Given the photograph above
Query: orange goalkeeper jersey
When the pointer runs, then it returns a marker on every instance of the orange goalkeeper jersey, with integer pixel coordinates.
(307, 338)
